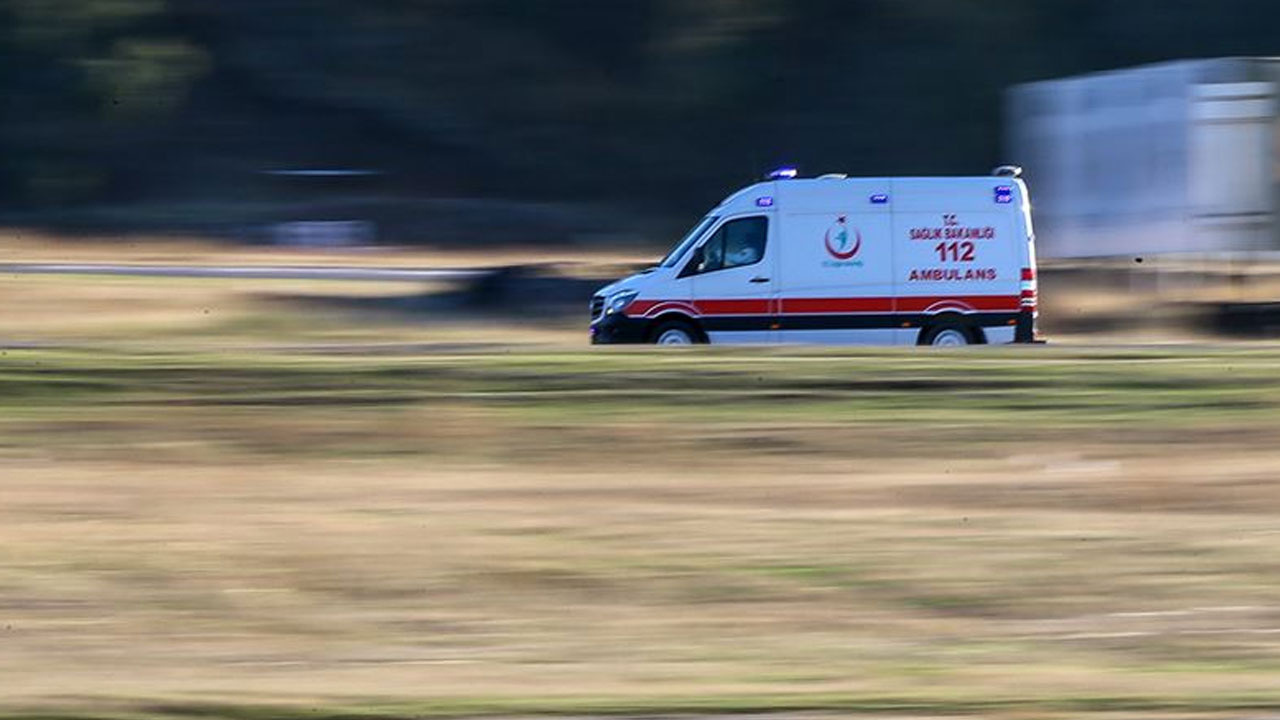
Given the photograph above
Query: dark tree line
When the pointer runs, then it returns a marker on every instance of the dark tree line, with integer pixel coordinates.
(649, 103)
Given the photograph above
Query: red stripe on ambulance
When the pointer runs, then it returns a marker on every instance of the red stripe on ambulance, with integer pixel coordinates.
(820, 306)
(833, 306)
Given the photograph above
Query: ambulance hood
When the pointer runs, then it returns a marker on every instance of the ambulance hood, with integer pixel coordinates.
(637, 281)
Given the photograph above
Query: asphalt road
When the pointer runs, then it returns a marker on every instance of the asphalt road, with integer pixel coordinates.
(264, 272)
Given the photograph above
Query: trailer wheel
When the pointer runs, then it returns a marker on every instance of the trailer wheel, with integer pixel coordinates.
(947, 334)
(675, 332)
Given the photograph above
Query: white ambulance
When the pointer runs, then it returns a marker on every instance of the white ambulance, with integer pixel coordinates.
(838, 260)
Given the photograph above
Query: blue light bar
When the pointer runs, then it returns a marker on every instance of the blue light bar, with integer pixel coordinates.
(786, 173)
(765, 201)
(1004, 194)
(879, 199)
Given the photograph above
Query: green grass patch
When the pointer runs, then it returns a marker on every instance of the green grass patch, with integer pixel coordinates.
(771, 401)
(688, 706)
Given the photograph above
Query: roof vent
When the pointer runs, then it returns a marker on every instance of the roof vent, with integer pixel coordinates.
(833, 176)
(1012, 171)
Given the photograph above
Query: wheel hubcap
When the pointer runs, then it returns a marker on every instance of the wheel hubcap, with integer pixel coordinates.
(950, 338)
(675, 337)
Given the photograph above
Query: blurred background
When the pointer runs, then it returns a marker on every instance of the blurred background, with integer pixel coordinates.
(535, 121)
(298, 418)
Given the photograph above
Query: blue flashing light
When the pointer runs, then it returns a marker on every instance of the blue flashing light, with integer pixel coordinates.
(765, 201)
(786, 173)
(1004, 194)
(879, 199)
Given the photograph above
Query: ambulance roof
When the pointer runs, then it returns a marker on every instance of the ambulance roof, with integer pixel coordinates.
(874, 195)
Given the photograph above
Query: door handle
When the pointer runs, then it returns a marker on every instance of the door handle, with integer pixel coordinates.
(759, 279)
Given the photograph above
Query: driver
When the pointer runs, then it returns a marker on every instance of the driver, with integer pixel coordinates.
(744, 254)
(747, 250)
(713, 255)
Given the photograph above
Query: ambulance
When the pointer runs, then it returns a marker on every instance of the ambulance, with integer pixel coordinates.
(839, 260)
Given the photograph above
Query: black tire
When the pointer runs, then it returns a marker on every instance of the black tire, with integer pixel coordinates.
(951, 333)
(676, 332)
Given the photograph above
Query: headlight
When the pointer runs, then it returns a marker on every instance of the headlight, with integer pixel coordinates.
(618, 303)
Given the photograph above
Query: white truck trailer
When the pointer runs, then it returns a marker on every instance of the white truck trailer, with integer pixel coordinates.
(1176, 158)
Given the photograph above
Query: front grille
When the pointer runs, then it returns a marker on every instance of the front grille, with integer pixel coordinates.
(597, 306)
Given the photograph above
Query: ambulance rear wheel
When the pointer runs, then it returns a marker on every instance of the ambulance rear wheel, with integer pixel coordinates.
(947, 335)
(675, 332)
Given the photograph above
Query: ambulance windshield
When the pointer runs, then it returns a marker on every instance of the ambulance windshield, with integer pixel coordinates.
(674, 257)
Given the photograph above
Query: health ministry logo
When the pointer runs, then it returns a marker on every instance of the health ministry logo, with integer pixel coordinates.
(839, 244)
(843, 243)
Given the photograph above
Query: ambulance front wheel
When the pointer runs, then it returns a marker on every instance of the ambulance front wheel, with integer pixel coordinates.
(950, 334)
(676, 332)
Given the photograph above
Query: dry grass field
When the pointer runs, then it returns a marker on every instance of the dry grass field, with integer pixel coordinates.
(218, 501)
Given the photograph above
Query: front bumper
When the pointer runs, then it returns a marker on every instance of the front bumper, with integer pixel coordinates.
(618, 329)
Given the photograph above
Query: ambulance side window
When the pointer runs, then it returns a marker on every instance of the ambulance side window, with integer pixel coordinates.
(737, 243)
(712, 256)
